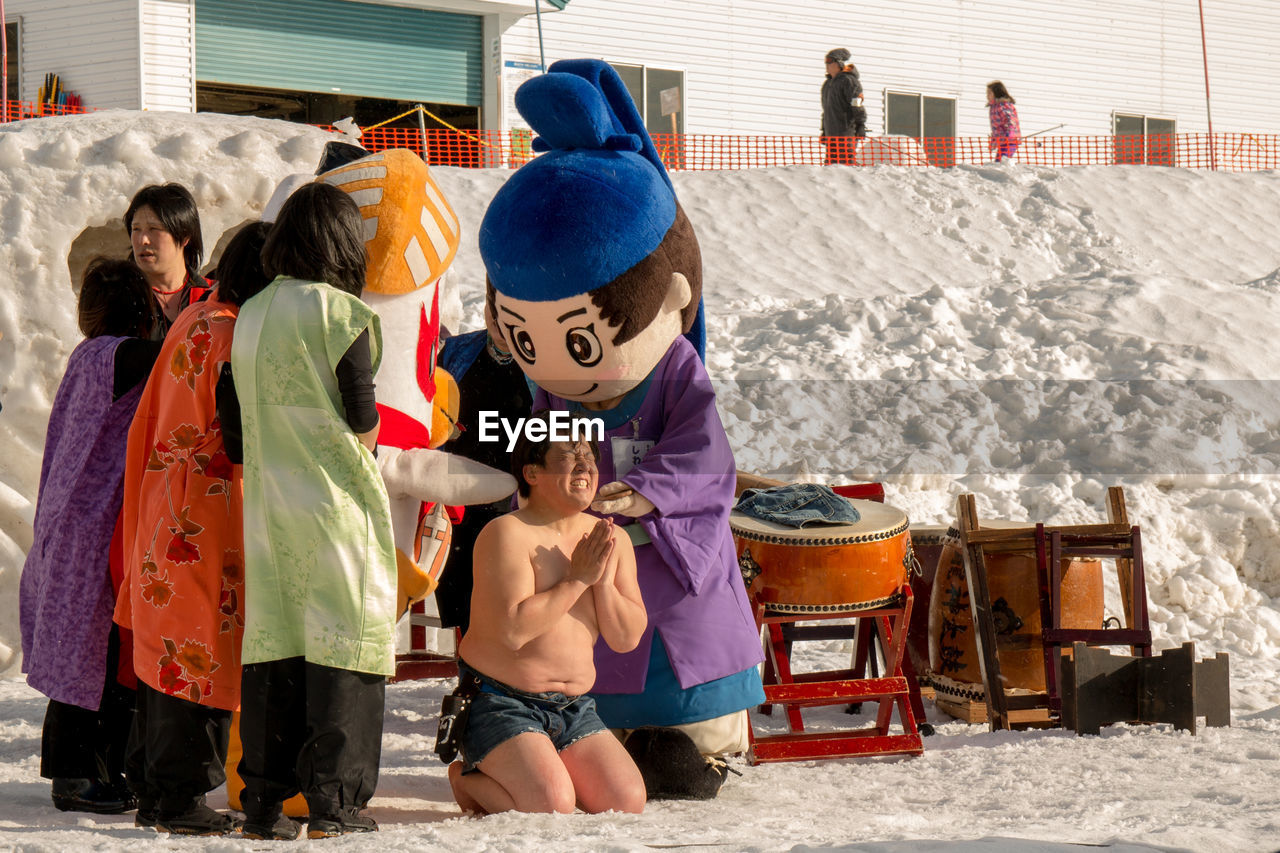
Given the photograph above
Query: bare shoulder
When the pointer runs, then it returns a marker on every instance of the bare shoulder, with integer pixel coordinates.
(504, 528)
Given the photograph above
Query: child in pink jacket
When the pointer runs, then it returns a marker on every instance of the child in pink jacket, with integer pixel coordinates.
(1005, 132)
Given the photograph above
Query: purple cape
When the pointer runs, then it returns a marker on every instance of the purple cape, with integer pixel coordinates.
(65, 599)
(688, 574)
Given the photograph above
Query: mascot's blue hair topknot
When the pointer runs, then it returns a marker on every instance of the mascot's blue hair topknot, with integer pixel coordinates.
(598, 202)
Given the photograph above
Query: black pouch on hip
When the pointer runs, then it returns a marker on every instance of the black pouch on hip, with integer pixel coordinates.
(454, 710)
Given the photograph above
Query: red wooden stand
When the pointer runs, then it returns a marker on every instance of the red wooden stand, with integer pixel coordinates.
(795, 691)
(418, 662)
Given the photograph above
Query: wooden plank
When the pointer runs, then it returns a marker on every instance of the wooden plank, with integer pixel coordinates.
(1030, 716)
(975, 711)
(1025, 537)
(824, 745)
(747, 480)
(969, 710)
(1118, 513)
(1047, 571)
(410, 667)
(975, 569)
(1213, 690)
(1098, 636)
(793, 633)
(833, 692)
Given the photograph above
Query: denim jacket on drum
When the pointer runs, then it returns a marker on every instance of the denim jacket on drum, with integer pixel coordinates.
(797, 505)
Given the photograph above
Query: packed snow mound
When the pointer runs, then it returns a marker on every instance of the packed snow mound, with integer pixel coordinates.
(65, 184)
(1030, 335)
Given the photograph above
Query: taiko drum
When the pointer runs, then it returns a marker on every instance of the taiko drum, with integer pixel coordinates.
(1015, 604)
(825, 568)
(928, 541)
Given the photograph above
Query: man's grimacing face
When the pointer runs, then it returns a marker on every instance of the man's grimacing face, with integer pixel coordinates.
(569, 470)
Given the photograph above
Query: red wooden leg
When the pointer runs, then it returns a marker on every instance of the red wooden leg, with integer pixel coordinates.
(782, 664)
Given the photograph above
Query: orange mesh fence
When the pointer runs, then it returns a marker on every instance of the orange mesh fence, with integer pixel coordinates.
(17, 110)
(469, 149)
(1237, 152)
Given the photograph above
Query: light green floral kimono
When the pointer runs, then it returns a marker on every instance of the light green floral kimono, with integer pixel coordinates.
(320, 567)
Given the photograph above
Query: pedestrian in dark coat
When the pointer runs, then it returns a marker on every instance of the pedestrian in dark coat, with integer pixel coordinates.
(843, 114)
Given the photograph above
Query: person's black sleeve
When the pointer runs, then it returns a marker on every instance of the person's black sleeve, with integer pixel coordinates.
(355, 384)
(134, 359)
(228, 405)
(849, 88)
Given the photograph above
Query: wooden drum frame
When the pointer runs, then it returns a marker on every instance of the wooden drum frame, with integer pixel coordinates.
(826, 568)
(1014, 587)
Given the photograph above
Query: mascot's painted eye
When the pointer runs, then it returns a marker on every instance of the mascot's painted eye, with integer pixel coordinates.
(522, 341)
(584, 346)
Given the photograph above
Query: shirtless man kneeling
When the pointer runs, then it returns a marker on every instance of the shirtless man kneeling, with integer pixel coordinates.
(549, 580)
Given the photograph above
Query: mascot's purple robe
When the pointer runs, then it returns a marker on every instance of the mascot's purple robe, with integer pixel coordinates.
(65, 598)
(688, 573)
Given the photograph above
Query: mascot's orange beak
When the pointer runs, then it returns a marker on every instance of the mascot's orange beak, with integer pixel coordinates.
(444, 409)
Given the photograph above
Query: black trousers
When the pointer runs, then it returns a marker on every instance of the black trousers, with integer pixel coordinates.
(309, 728)
(77, 743)
(453, 596)
(177, 749)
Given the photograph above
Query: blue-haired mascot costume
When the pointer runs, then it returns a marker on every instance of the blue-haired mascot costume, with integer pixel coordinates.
(596, 286)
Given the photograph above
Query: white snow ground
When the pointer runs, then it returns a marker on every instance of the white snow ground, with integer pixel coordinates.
(1029, 335)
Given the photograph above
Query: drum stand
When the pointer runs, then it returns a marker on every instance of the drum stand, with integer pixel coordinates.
(795, 691)
(1116, 540)
(420, 661)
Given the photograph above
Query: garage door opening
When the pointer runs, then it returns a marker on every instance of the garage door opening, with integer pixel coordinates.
(325, 108)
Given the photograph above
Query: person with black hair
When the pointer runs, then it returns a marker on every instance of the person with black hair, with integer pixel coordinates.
(550, 580)
(320, 565)
(163, 225)
(184, 581)
(844, 118)
(70, 649)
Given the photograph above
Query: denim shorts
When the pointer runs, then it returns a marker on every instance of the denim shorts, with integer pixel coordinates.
(500, 712)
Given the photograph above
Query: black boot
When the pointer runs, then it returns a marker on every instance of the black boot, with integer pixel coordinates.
(148, 811)
(90, 795)
(275, 826)
(672, 766)
(193, 817)
(346, 820)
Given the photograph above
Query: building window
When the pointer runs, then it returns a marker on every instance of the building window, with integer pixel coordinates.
(13, 47)
(659, 97)
(658, 93)
(1142, 139)
(930, 119)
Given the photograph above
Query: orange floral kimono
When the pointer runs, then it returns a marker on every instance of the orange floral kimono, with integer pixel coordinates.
(183, 526)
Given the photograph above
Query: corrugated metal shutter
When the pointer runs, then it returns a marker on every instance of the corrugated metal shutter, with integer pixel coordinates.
(330, 45)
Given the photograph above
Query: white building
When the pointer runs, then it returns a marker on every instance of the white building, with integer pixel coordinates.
(740, 67)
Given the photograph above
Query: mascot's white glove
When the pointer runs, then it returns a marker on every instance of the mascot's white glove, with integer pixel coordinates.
(617, 498)
(421, 475)
(436, 476)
